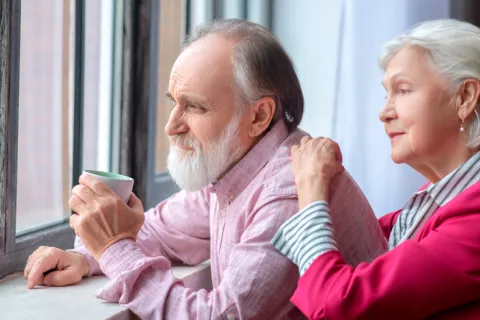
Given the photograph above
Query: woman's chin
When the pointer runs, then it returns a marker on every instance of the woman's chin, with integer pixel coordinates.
(397, 157)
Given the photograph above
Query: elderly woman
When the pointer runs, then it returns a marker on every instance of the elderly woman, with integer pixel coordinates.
(432, 267)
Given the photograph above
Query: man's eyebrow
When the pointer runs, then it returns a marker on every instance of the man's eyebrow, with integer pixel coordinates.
(188, 99)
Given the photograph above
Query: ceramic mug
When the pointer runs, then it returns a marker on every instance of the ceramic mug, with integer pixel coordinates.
(120, 184)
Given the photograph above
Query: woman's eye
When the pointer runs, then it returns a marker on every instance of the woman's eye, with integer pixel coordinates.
(403, 91)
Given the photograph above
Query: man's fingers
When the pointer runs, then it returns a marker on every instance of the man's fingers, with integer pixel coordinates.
(134, 202)
(40, 266)
(77, 204)
(28, 266)
(63, 277)
(84, 193)
(74, 221)
(95, 186)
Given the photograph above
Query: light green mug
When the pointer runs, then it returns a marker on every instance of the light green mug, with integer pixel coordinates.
(120, 184)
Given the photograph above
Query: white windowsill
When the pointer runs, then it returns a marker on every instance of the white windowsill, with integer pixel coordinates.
(79, 301)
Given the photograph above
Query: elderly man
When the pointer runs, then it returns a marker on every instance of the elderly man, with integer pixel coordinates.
(237, 103)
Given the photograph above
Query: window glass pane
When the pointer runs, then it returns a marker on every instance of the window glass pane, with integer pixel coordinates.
(46, 105)
(92, 70)
(45, 101)
(171, 35)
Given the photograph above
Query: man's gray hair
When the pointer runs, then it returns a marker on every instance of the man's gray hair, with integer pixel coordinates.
(261, 68)
(454, 48)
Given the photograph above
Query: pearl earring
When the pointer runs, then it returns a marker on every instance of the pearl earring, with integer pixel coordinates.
(462, 127)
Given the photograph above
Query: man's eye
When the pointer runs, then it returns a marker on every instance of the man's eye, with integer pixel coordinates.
(195, 108)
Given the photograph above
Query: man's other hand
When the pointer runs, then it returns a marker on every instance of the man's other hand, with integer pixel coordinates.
(55, 267)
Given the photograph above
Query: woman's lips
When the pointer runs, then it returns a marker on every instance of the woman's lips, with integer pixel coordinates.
(395, 135)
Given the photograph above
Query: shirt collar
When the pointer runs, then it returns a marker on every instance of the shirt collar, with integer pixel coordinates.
(240, 176)
(455, 182)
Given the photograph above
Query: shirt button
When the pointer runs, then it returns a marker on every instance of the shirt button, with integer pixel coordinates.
(231, 316)
(231, 197)
(223, 212)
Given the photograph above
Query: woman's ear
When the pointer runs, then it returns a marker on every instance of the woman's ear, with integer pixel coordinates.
(262, 113)
(468, 98)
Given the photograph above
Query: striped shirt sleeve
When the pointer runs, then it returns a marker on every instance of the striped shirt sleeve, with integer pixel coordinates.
(307, 235)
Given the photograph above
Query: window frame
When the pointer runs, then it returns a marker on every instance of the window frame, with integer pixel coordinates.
(159, 184)
(133, 114)
(14, 250)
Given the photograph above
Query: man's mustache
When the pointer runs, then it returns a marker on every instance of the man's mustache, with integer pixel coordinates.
(183, 140)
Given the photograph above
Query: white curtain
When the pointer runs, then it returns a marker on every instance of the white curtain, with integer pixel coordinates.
(359, 96)
(205, 11)
(334, 45)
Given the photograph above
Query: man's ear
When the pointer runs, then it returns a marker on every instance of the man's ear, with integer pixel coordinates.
(468, 96)
(262, 112)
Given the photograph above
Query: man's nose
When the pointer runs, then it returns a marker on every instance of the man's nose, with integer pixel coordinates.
(175, 125)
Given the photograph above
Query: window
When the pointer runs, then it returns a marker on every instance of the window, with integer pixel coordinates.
(46, 108)
(45, 83)
(57, 119)
(84, 87)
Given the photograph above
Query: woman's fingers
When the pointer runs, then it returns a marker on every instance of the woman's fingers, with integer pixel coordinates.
(339, 167)
(327, 145)
(312, 156)
(335, 148)
(304, 140)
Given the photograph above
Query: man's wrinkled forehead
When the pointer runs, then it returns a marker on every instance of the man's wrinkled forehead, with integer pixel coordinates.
(205, 67)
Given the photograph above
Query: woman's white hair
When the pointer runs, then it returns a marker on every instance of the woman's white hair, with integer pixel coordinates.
(454, 48)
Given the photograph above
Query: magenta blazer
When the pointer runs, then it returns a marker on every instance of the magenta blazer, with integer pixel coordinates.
(436, 275)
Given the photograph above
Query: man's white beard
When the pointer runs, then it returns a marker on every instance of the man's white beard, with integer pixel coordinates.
(193, 170)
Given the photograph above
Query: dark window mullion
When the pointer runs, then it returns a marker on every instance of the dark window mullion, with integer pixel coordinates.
(152, 103)
(12, 19)
(78, 83)
(188, 17)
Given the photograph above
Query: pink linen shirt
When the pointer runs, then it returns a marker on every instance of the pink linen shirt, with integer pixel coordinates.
(230, 222)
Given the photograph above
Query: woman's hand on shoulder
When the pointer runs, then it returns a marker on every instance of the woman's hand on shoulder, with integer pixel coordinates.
(314, 163)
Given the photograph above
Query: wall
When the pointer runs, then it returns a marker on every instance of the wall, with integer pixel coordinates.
(335, 45)
(310, 32)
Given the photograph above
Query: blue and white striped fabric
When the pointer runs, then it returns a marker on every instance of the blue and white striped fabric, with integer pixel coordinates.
(424, 203)
(309, 234)
(306, 235)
